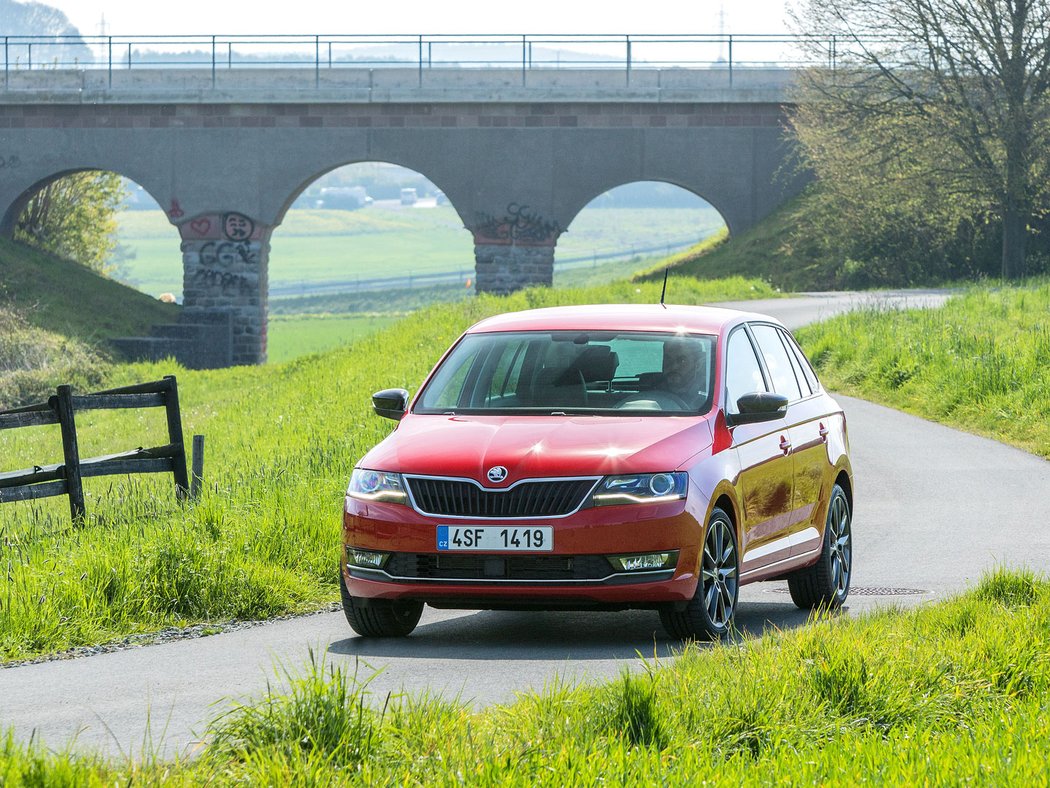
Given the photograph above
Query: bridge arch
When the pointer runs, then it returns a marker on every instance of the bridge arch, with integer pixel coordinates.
(637, 218)
(423, 168)
(23, 193)
(363, 200)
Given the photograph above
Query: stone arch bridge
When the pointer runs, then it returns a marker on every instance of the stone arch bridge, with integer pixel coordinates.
(517, 161)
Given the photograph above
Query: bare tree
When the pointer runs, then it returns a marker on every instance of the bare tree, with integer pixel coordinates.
(950, 96)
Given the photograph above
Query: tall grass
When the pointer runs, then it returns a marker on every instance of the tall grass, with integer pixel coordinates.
(264, 537)
(946, 694)
(981, 362)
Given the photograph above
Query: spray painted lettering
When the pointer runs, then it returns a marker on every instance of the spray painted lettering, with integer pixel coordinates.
(518, 226)
(227, 253)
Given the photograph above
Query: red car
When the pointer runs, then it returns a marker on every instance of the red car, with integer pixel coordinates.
(603, 457)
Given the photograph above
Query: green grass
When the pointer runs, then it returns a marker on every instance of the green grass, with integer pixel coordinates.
(298, 335)
(766, 251)
(946, 694)
(318, 246)
(55, 318)
(981, 362)
(263, 539)
(60, 296)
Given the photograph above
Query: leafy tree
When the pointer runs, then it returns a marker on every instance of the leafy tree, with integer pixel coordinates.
(75, 217)
(937, 109)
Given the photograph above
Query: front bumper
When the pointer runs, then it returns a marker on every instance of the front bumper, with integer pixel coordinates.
(575, 574)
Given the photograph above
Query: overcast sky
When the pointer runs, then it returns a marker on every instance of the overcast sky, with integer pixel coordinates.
(227, 17)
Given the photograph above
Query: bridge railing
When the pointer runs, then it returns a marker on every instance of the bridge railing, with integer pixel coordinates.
(317, 52)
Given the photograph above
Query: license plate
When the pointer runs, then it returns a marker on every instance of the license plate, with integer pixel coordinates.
(496, 538)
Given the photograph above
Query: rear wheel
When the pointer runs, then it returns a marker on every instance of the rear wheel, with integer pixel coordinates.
(379, 618)
(826, 583)
(709, 614)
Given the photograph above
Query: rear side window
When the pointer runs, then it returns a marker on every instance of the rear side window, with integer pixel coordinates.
(777, 362)
(807, 368)
(743, 373)
(796, 365)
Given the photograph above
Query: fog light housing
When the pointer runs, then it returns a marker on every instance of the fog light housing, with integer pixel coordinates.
(645, 562)
(367, 559)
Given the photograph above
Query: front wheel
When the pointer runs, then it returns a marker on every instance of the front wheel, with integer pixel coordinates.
(826, 583)
(709, 614)
(379, 618)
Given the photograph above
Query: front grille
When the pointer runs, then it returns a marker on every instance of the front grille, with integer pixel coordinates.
(429, 566)
(460, 498)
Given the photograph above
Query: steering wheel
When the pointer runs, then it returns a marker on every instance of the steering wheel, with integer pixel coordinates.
(656, 399)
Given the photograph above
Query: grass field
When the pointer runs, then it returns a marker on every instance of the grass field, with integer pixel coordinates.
(954, 693)
(982, 362)
(378, 242)
(262, 540)
(299, 335)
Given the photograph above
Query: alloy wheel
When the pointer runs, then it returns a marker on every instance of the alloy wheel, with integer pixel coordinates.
(719, 573)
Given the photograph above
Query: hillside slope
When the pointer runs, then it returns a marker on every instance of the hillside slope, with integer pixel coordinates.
(58, 295)
(55, 318)
(766, 251)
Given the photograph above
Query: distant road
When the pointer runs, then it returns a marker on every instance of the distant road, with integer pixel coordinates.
(932, 506)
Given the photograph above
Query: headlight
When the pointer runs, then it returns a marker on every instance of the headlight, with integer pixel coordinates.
(641, 488)
(377, 486)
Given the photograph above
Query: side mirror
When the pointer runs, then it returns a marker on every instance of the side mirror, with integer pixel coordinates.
(757, 407)
(390, 403)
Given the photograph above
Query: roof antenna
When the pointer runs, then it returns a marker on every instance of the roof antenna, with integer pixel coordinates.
(664, 291)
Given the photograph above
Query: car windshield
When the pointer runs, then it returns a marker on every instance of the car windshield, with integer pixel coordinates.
(545, 372)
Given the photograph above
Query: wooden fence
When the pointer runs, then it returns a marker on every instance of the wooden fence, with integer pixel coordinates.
(67, 478)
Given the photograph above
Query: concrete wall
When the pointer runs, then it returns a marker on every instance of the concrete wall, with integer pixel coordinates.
(517, 171)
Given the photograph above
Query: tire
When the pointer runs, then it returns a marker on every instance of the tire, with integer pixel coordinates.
(826, 583)
(379, 618)
(709, 614)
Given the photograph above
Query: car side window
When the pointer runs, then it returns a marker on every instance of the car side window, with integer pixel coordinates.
(777, 362)
(800, 376)
(807, 368)
(743, 373)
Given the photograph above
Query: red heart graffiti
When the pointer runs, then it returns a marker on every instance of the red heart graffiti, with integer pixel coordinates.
(200, 226)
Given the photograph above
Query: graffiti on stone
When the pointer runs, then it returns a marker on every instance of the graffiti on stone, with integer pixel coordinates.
(229, 226)
(518, 225)
(226, 280)
(201, 225)
(175, 211)
(227, 253)
(237, 226)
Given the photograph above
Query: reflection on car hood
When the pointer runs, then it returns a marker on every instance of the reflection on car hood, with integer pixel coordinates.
(538, 446)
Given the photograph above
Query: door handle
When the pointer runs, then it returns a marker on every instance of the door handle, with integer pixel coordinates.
(785, 444)
(823, 432)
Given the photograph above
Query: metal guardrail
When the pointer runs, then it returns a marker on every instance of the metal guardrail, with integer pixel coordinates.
(334, 287)
(317, 52)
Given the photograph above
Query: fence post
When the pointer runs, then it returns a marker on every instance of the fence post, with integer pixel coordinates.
(730, 60)
(171, 408)
(63, 405)
(197, 474)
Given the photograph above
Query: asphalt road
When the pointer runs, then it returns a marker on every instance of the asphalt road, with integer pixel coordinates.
(934, 509)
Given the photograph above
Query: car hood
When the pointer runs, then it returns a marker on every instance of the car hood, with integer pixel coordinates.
(538, 446)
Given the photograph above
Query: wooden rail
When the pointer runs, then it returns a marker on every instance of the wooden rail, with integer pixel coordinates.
(44, 481)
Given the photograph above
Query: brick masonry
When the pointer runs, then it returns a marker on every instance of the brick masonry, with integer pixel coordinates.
(224, 258)
(510, 115)
(504, 268)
